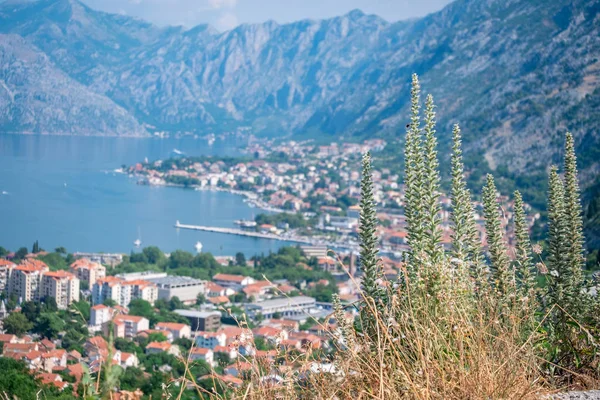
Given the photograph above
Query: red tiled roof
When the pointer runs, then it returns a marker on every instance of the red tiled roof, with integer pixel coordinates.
(200, 351)
(229, 278)
(123, 318)
(163, 346)
(171, 326)
(219, 299)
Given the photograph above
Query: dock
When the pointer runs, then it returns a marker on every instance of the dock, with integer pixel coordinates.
(240, 232)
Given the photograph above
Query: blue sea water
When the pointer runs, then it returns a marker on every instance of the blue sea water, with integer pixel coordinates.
(63, 191)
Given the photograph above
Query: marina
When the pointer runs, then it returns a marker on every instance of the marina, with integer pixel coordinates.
(239, 232)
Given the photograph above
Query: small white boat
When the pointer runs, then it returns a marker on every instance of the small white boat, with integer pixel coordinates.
(198, 246)
(176, 151)
(138, 241)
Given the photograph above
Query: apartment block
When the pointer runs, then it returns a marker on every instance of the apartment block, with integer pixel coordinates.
(127, 326)
(87, 271)
(122, 291)
(63, 286)
(33, 281)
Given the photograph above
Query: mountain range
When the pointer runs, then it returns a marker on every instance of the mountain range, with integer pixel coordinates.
(515, 73)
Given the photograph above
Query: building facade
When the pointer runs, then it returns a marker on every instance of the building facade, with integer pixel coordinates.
(33, 281)
(87, 271)
(202, 320)
(122, 291)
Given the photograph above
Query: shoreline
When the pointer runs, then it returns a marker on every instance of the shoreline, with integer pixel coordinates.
(250, 198)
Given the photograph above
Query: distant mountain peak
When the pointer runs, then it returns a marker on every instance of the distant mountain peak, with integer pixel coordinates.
(357, 13)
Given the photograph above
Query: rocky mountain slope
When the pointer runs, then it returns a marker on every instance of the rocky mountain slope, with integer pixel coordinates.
(515, 73)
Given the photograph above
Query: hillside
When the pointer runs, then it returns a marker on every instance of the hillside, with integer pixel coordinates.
(515, 73)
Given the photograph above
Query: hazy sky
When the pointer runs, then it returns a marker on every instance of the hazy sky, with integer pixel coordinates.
(226, 14)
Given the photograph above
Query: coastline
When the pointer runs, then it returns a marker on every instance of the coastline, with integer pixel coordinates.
(250, 198)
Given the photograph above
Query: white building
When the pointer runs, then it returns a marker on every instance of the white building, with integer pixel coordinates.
(210, 340)
(184, 288)
(235, 282)
(204, 354)
(285, 306)
(122, 292)
(62, 286)
(128, 326)
(178, 331)
(99, 315)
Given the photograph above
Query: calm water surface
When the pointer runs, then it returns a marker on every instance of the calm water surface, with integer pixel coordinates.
(63, 191)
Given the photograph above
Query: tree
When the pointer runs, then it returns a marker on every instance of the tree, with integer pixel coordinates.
(35, 248)
(3, 252)
(109, 302)
(60, 250)
(49, 305)
(240, 259)
(49, 325)
(17, 324)
(157, 337)
(175, 303)
(21, 253)
(153, 255)
(184, 343)
(141, 308)
(503, 278)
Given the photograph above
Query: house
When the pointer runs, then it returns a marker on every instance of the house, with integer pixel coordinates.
(206, 355)
(219, 300)
(214, 290)
(270, 334)
(55, 358)
(268, 355)
(229, 351)
(146, 334)
(235, 282)
(129, 360)
(210, 340)
(53, 379)
(285, 324)
(127, 326)
(202, 320)
(162, 347)
(177, 330)
(238, 369)
(291, 344)
(8, 338)
(226, 379)
(258, 290)
(99, 315)
(97, 352)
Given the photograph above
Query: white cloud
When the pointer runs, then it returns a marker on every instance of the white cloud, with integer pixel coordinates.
(218, 4)
(227, 21)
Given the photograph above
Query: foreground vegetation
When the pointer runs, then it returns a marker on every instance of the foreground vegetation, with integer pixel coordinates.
(464, 323)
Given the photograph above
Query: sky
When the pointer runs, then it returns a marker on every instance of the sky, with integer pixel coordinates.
(227, 14)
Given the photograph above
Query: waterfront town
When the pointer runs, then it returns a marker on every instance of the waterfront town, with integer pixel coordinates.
(313, 189)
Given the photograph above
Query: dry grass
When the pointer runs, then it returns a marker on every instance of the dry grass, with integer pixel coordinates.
(442, 346)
